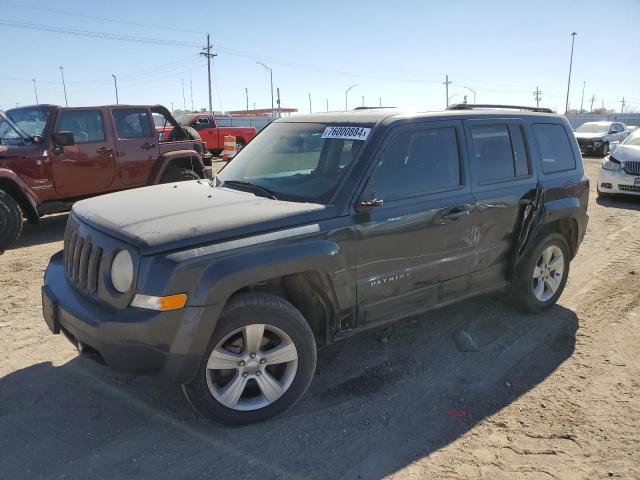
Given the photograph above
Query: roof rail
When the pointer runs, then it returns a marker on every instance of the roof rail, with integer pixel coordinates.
(372, 108)
(471, 106)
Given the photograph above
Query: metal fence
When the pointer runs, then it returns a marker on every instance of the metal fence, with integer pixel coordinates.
(259, 122)
(626, 118)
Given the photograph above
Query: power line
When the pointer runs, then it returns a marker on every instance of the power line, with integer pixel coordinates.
(103, 19)
(92, 34)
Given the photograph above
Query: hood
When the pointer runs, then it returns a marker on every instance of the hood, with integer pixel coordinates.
(589, 135)
(178, 215)
(626, 153)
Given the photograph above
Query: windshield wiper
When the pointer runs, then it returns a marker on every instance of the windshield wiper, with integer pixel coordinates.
(253, 186)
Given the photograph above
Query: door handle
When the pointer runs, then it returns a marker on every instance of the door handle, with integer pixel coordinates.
(103, 150)
(456, 213)
(147, 145)
(371, 203)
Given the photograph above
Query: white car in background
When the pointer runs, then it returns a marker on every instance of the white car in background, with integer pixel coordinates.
(620, 172)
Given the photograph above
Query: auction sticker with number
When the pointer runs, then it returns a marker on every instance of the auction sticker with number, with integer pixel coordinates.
(346, 133)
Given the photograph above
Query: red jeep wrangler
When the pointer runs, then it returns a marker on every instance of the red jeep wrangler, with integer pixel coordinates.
(52, 156)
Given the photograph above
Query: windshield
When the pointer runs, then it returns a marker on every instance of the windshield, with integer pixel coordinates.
(633, 140)
(591, 127)
(9, 132)
(183, 120)
(31, 120)
(298, 161)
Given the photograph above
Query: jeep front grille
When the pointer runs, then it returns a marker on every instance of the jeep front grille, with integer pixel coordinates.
(81, 261)
(632, 168)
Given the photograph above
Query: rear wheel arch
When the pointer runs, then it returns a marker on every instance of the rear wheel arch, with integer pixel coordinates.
(568, 228)
(189, 162)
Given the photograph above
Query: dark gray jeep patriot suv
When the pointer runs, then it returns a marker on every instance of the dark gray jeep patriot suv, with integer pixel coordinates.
(322, 226)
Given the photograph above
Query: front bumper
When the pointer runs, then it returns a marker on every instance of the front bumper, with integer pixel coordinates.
(130, 340)
(618, 182)
(590, 147)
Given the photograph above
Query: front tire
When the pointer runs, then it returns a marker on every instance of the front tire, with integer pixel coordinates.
(10, 220)
(260, 362)
(604, 150)
(542, 274)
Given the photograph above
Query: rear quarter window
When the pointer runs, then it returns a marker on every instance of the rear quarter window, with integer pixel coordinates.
(555, 149)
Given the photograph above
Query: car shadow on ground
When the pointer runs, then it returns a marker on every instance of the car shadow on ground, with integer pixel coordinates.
(379, 401)
(50, 229)
(627, 202)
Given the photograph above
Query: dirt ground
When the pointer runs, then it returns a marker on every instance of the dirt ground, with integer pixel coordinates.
(547, 396)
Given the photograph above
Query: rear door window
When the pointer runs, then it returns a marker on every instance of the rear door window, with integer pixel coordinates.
(500, 152)
(132, 123)
(555, 147)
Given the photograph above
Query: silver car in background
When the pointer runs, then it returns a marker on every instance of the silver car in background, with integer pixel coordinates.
(596, 138)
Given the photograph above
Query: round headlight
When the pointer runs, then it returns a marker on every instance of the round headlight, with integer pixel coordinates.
(122, 271)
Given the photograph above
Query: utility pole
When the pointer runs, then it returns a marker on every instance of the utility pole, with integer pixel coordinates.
(270, 70)
(310, 108)
(327, 100)
(191, 88)
(184, 100)
(279, 111)
(446, 84)
(64, 87)
(380, 102)
(254, 105)
(573, 39)
(593, 97)
(536, 95)
(622, 107)
(346, 96)
(115, 84)
(582, 101)
(246, 96)
(35, 90)
(206, 52)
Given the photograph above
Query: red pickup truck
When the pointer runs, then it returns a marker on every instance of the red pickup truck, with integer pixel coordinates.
(213, 135)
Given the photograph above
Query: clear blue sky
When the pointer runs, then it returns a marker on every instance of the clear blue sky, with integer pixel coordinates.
(399, 51)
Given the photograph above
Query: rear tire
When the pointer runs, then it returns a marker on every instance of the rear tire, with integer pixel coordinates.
(178, 174)
(259, 398)
(539, 281)
(10, 220)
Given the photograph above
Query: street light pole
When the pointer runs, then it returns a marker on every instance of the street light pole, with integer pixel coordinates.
(346, 96)
(35, 90)
(246, 94)
(582, 101)
(115, 84)
(310, 107)
(573, 39)
(271, 80)
(474, 93)
(64, 87)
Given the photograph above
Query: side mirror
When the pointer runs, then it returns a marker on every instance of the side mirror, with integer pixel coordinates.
(64, 139)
